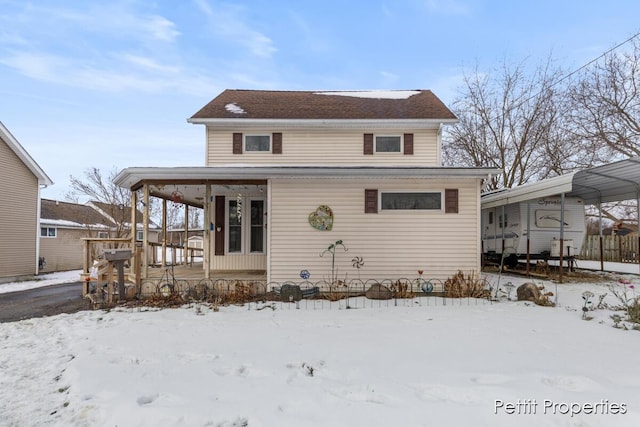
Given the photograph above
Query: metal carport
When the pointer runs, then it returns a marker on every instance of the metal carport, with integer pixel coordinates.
(612, 182)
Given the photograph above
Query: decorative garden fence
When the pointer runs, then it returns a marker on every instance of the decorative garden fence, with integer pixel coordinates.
(319, 295)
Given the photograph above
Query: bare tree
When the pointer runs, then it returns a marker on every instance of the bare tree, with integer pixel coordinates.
(114, 201)
(604, 111)
(509, 120)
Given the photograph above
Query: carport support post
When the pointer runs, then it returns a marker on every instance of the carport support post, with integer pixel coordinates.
(600, 234)
(638, 223)
(561, 235)
(528, 233)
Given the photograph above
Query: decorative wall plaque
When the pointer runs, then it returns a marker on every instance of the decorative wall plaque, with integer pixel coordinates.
(322, 218)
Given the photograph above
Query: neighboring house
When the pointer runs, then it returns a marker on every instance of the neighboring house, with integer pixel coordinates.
(63, 225)
(20, 182)
(289, 173)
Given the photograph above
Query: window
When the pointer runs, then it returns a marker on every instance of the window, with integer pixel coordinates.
(257, 143)
(388, 144)
(48, 232)
(490, 217)
(501, 223)
(411, 201)
(235, 226)
(245, 225)
(139, 235)
(257, 226)
(103, 234)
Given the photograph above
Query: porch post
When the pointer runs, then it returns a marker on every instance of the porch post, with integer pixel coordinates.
(164, 233)
(145, 232)
(134, 239)
(185, 255)
(206, 231)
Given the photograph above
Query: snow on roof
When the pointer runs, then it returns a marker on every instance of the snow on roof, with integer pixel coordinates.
(374, 94)
(234, 108)
(67, 223)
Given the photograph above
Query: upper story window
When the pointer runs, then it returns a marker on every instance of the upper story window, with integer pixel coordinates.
(103, 234)
(401, 144)
(388, 144)
(48, 232)
(257, 143)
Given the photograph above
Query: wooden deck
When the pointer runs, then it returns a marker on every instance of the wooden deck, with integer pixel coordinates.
(195, 272)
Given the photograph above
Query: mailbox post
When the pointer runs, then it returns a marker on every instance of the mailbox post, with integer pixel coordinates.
(118, 257)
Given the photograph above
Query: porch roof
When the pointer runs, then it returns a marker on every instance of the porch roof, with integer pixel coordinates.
(135, 177)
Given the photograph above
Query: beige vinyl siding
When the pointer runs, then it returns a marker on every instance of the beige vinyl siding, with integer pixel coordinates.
(18, 216)
(239, 262)
(322, 147)
(63, 252)
(394, 244)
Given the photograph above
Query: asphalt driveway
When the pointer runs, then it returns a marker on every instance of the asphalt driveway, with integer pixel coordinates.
(45, 301)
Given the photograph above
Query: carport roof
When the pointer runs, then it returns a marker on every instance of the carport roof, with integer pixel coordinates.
(607, 183)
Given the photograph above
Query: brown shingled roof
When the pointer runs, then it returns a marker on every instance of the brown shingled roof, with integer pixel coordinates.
(80, 214)
(305, 105)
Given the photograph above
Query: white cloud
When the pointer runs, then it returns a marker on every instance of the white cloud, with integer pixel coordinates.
(109, 77)
(149, 63)
(159, 28)
(230, 23)
(447, 7)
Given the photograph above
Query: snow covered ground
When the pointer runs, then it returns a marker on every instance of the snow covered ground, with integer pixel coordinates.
(43, 280)
(467, 363)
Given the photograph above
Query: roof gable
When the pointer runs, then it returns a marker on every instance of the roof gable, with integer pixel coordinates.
(23, 155)
(325, 105)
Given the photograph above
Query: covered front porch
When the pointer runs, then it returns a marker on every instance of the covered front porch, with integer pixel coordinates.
(234, 227)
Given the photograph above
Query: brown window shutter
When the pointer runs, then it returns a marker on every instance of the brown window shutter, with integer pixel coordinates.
(276, 141)
(219, 222)
(237, 143)
(368, 143)
(408, 143)
(451, 200)
(371, 201)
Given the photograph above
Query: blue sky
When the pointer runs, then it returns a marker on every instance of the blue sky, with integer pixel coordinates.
(111, 83)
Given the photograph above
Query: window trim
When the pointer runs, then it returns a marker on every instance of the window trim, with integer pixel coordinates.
(439, 191)
(103, 232)
(244, 143)
(400, 144)
(47, 235)
(139, 235)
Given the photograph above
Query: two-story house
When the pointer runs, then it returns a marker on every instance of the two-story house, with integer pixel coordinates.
(288, 173)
